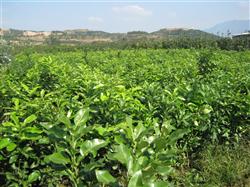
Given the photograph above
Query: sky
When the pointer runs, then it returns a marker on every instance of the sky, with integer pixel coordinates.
(119, 16)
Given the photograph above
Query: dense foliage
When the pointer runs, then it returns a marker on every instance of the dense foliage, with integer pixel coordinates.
(53, 45)
(118, 117)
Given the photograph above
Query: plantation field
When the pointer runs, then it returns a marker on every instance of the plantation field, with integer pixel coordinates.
(145, 117)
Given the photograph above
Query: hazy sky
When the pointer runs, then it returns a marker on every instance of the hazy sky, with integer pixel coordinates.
(119, 16)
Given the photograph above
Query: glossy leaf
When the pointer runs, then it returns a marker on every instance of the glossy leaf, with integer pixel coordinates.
(104, 176)
(136, 180)
(164, 170)
(11, 146)
(4, 143)
(81, 117)
(158, 184)
(176, 135)
(122, 154)
(138, 130)
(57, 158)
(34, 130)
(34, 176)
(30, 119)
(62, 118)
(92, 146)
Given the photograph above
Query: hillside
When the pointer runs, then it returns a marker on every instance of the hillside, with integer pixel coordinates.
(233, 26)
(79, 36)
(180, 32)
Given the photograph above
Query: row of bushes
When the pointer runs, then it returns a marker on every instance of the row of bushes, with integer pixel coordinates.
(177, 43)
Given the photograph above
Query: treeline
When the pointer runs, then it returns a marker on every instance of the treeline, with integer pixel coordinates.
(187, 43)
(145, 43)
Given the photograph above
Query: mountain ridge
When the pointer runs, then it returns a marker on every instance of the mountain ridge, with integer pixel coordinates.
(72, 36)
(232, 27)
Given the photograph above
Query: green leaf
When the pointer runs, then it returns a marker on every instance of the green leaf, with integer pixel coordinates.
(167, 128)
(4, 143)
(143, 161)
(57, 158)
(128, 127)
(136, 180)
(138, 130)
(30, 119)
(119, 139)
(104, 176)
(207, 109)
(30, 136)
(103, 97)
(44, 140)
(57, 132)
(129, 123)
(42, 93)
(32, 91)
(121, 87)
(98, 86)
(16, 102)
(13, 159)
(164, 170)
(122, 154)
(158, 184)
(34, 176)
(101, 130)
(11, 146)
(168, 154)
(160, 143)
(92, 146)
(62, 118)
(34, 130)
(81, 117)
(82, 130)
(26, 88)
(8, 124)
(176, 135)
(142, 145)
(14, 118)
(133, 166)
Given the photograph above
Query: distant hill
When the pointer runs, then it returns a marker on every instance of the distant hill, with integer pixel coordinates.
(182, 32)
(233, 26)
(77, 36)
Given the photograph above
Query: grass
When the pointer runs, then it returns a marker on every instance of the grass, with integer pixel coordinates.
(227, 166)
